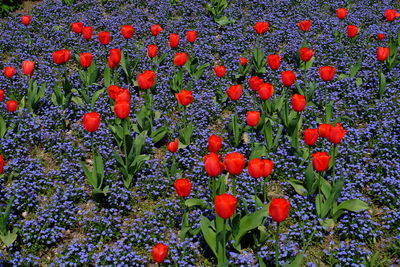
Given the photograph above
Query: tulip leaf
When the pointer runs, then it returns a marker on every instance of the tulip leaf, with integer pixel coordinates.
(159, 134)
(96, 96)
(298, 187)
(267, 132)
(9, 237)
(297, 262)
(209, 234)
(193, 202)
(258, 152)
(3, 127)
(350, 205)
(107, 76)
(310, 179)
(354, 69)
(382, 84)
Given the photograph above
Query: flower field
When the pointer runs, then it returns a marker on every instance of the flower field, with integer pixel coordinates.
(200, 133)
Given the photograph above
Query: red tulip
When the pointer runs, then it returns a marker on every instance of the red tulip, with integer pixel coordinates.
(225, 205)
(234, 92)
(127, 31)
(173, 146)
(9, 71)
(173, 40)
(146, 79)
(352, 31)
(213, 165)
(113, 91)
(380, 36)
(391, 14)
(114, 58)
(260, 167)
(382, 53)
(243, 61)
(310, 136)
(234, 163)
(180, 59)
(214, 143)
(304, 25)
(184, 97)
(191, 36)
(104, 38)
(123, 96)
(77, 27)
(320, 161)
(156, 29)
(87, 33)
(183, 187)
(341, 13)
(85, 60)
(152, 51)
(255, 83)
(67, 54)
(1, 164)
(159, 252)
(91, 121)
(279, 209)
(252, 118)
(266, 91)
(1, 95)
(12, 105)
(122, 109)
(274, 61)
(324, 130)
(61, 56)
(298, 102)
(336, 134)
(220, 71)
(327, 72)
(26, 20)
(306, 54)
(261, 27)
(27, 67)
(288, 78)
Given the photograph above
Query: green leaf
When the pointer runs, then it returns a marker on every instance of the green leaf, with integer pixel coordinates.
(359, 81)
(354, 69)
(209, 234)
(258, 152)
(298, 187)
(3, 127)
(96, 96)
(107, 76)
(297, 262)
(310, 179)
(159, 134)
(382, 84)
(267, 132)
(194, 202)
(9, 238)
(224, 21)
(350, 205)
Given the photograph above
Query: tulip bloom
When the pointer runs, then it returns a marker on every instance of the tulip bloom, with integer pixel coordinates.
(266, 91)
(9, 71)
(225, 205)
(173, 146)
(326, 73)
(220, 71)
(12, 105)
(183, 187)
(114, 58)
(279, 209)
(255, 83)
(243, 61)
(234, 163)
(382, 53)
(252, 118)
(391, 14)
(87, 33)
(311, 136)
(122, 109)
(91, 121)
(127, 31)
(306, 54)
(304, 25)
(260, 167)
(298, 102)
(261, 27)
(341, 13)
(27, 67)
(146, 79)
(274, 61)
(324, 130)
(184, 97)
(155, 29)
(180, 59)
(288, 78)
(380, 36)
(123, 96)
(234, 92)
(1, 95)
(159, 252)
(213, 164)
(77, 27)
(173, 40)
(85, 60)
(152, 51)
(104, 38)
(191, 36)
(320, 161)
(113, 91)
(1, 164)
(214, 143)
(336, 134)
(352, 31)
(26, 20)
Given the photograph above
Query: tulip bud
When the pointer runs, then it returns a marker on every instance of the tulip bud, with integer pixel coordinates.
(266, 90)
(327, 73)
(77, 27)
(91, 121)
(288, 78)
(184, 97)
(183, 187)
(274, 61)
(152, 51)
(26, 20)
(191, 36)
(27, 67)
(85, 60)
(306, 54)
(180, 59)
(214, 143)
(252, 118)
(255, 83)
(336, 134)
(127, 31)
(382, 53)
(220, 71)
(261, 27)
(352, 31)
(213, 165)
(156, 29)
(298, 102)
(146, 79)
(87, 33)
(173, 146)
(320, 161)
(9, 71)
(234, 92)
(341, 13)
(159, 252)
(310, 136)
(234, 163)
(173, 40)
(12, 105)
(279, 209)
(225, 205)
(243, 61)
(304, 25)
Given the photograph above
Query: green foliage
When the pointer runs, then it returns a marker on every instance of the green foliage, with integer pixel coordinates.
(7, 236)
(7, 6)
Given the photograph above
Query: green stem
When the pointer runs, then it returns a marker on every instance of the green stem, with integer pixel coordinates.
(255, 193)
(125, 131)
(184, 117)
(277, 245)
(224, 242)
(265, 190)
